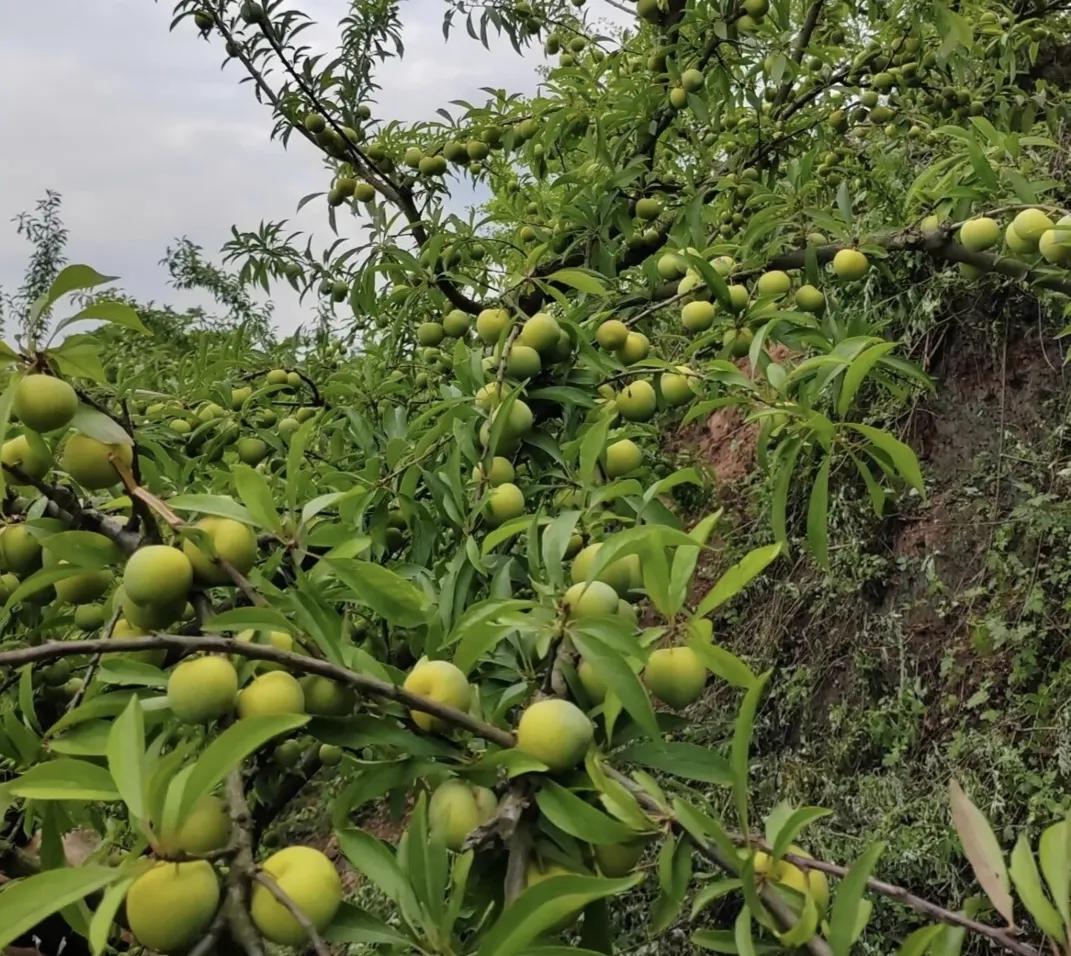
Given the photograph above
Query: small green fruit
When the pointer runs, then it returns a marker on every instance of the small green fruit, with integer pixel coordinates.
(44, 402)
(637, 402)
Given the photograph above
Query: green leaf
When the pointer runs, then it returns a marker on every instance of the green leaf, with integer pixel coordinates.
(390, 595)
(680, 759)
(818, 514)
(620, 678)
(84, 549)
(844, 919)
(103, 920)
(117, 313)
(1054, 852)
(64, 779)
(97, 425)
(1027, 880)
(355, 925)
(568, 812)
(717, 659)
(546, 904)
(253, 489)
(579, 279)
(901, 455)
(126, 751)
(25, 903)
(739, 754)
(219, 505)
(920, 941)
(228, 750)
(857, 371)
(674, 875)
(745, 945)
(375, 860)
(733, 581)
(79, 357)
(982, 850)
(790, 829)
(71, 278)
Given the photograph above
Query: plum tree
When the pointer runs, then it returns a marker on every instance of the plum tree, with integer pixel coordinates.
(473, 490)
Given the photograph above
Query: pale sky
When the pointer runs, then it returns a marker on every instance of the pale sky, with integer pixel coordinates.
(147, 139)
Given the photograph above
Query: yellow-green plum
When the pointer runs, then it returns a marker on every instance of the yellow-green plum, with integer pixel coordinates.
(1030, 225)
(810, 299)
(618, 859)
(540, 332)
(170, 905)
(311, 882)
(20, 551)
(234, 542)
(202, 689)
(44, 402)
(611, 334)
(979, 233)
(773, 283)
(590, 599)
(207, 828)
(490, 324)
(456, 809)
(622, 458)
(555, 732)
(500, 472)
(157, 574)
(31, 458)
(506, 501)
(623, 575)
(679, 386)
(89, 462)
(252, 451)
(850, 264)
(327, 698)
(442, 682)
(698, 316)
(637, 401)
(675, 675)
(276, 692)
(634, 349)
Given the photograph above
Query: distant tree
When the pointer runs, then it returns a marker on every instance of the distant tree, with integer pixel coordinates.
(43, 228)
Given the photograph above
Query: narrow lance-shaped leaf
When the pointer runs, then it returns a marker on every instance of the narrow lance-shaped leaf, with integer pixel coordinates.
(844, 920)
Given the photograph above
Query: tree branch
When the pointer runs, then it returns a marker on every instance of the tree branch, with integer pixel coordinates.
(362, 683)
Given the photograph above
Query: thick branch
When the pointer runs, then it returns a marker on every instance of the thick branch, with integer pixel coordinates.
(128, 541)
(362, 683)
(242, 870)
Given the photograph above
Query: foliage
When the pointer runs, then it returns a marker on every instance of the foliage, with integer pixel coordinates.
(481, 537)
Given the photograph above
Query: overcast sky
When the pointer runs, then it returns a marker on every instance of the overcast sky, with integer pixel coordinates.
(148, 140)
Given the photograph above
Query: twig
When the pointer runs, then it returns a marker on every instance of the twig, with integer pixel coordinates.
(1002, 937)
(58, 503)
(175, 523)
(94, 663)
(520, 849)
(265, 880)
(242, 870)
(362, 683)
